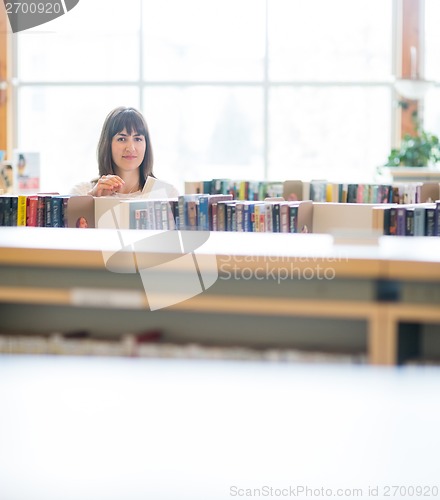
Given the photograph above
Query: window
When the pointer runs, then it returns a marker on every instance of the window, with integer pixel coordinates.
(431, 111)
(252, 89)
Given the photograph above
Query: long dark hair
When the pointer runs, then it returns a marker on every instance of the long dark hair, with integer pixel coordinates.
(115, 122)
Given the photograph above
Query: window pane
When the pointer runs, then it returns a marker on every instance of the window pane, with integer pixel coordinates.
(431, 108)
(200, 40)
(321, 40)
(95, 41)
(432, 111)
(432, 40)
(339, 134)
(205, 132)
(64, 124)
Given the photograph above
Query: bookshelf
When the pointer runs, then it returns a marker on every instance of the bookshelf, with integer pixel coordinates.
(335, 298)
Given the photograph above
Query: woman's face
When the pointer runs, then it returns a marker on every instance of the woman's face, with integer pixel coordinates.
(128, 151)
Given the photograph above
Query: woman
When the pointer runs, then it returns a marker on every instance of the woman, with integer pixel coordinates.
(125, 156)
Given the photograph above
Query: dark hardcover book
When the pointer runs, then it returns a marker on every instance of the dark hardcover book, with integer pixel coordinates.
(293, 218)
(231, 221)
(247, 217)
(386, 221)
(205, 209)
(254, 217)
(276, 218)
(2, 209)
(57, 211)
(207, 187)
(401, 221)
(14, 210)
(239, 216)
(221, 214)
(41, 216)
(393, 222)
(437, 218)
(48, 211)
(385, 193)
(352, 193)
(409, 221)
(430, 221)
(174, 213)
(7, 210)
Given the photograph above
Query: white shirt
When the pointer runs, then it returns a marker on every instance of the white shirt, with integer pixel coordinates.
(84, 188)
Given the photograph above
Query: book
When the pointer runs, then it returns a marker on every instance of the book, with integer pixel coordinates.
(26, 166)
(21, 210)
(41, 205)
(31, 210)
(205, 209)
(400, 221)
(409, 221)
(195, 187)
(79, 211)
(318, 190)
(305, 216)
(7, 211)
(157, 189)
(57, 211)
(184, 214)
(378, 218)
(352, 190)
(231, 220)
(221, 214)
(429, 192)
(6, 178)
(430, 220)
(419, 220)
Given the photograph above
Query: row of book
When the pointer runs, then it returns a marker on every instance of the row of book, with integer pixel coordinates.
(320, 191)
(408, 220)
(131, 346)
(186, 212)
(205, 213)
(47, 210)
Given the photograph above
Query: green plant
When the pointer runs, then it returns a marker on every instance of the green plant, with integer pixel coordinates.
(420, 150)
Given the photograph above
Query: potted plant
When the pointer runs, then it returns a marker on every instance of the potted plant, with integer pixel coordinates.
(419, 150)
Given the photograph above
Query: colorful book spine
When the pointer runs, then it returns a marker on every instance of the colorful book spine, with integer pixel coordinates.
(21, 210)
(409, 222)
(401, 221)
(419, 221)
(430, 221)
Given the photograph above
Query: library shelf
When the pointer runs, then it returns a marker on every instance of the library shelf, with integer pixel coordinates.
(256, 290)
